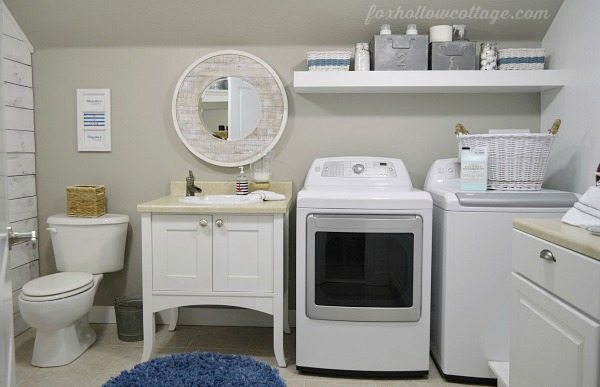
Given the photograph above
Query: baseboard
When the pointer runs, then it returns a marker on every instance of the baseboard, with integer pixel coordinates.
(198, 316)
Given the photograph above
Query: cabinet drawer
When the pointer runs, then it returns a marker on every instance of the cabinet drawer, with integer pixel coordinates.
(571, 276)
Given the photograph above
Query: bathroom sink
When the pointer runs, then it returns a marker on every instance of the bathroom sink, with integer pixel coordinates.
(221, 199)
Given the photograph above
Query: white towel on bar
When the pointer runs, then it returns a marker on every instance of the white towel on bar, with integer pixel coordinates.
(586, 212)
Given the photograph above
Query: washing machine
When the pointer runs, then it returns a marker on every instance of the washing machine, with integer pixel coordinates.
(472, 236)
(363, 263)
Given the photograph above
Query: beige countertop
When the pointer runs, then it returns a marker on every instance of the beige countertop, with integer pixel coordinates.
(562, 234)
(171, 204)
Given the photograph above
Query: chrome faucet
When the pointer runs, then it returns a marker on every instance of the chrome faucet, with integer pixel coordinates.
(190, 187)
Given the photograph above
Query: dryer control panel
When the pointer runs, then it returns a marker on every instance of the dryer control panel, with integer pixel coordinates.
(358, 173)
(357, 168)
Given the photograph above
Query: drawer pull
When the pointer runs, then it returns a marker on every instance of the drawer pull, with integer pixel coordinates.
(203, 223)
(219, 222)
(547, 255)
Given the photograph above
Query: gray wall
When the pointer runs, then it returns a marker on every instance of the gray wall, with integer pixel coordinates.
(576, 151)
(147, 153)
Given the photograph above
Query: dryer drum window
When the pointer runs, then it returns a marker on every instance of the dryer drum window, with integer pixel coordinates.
(364, 267)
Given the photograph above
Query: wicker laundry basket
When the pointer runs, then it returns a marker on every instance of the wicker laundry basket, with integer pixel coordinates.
(516, 162)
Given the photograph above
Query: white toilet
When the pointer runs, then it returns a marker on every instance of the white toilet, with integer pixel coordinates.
(57, 305)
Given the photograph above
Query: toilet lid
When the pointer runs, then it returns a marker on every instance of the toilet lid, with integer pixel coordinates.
(58, 284)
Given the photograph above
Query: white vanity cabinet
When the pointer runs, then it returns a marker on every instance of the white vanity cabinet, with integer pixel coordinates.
(232, 255)
(555, 329)
(217, 253)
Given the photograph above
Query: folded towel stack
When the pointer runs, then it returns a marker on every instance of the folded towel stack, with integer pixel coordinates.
(268, 195)
(586, 212)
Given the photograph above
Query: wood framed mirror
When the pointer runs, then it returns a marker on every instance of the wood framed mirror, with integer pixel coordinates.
(229, 108)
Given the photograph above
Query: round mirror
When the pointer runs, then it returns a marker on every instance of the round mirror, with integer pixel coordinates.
(230, 108)
(237, 129)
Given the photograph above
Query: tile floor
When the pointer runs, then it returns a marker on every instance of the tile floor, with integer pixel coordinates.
(109, 356)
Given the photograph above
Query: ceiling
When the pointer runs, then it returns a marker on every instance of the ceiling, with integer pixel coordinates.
(81, 23)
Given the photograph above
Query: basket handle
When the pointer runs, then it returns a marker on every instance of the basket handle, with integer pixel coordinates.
(460, 129)
(555, 127)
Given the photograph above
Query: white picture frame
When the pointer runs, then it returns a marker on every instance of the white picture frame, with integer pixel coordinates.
(93, 120)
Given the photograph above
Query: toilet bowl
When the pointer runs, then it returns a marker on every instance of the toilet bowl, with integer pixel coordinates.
(60, 319)
(57, 305)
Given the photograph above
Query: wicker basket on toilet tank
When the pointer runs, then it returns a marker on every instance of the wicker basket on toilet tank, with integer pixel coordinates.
(516, 161)
(86, 201)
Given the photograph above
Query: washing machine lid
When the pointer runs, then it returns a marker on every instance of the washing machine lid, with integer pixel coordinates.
(544, 199)
(58, 285)
(443, 182)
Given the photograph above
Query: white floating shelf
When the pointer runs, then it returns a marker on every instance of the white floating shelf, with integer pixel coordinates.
(524, 81)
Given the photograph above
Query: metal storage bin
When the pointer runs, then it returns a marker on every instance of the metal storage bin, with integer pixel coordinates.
(399, 52)
(129, 315)
(457, 55)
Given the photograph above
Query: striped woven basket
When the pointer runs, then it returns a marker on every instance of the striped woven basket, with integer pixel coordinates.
(521, 59)
(328, 60)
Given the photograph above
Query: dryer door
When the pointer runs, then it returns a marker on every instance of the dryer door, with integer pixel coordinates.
(364, 267)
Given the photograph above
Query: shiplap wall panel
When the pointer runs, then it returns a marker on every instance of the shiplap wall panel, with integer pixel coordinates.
(16, 301)
(18, 119)
(20, 164)
(21, 141)
(15, 49)
(25, 225)
(18, 123)
(9, 28)
(18, 96)
(20, 186)
(17, 73)
(22, 208)
(19, 276)
(23, 253)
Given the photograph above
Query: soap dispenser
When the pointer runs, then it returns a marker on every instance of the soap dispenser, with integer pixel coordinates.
(241, 183)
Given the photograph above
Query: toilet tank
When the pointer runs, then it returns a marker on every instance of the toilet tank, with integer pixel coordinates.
(91, 245)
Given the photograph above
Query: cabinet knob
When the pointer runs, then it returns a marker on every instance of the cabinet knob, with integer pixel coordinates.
(219, 222)
(547, 255)
(203, 223)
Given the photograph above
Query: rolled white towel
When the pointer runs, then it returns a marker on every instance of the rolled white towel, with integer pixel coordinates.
(591, 198)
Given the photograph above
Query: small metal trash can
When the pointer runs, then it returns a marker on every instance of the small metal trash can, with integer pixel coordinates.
(129, 314)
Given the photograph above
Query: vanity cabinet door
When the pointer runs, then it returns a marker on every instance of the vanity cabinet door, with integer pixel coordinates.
(182, 252)
(243, 253)
(552, 343)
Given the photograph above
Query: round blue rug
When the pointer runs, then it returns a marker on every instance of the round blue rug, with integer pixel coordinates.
(204, 369)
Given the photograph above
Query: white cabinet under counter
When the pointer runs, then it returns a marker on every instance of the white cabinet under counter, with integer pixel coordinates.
(224, 254)
(555, 322)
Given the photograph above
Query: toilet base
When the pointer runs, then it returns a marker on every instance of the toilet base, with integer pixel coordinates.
(62, 346)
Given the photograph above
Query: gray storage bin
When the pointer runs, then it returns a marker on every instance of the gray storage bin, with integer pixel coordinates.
(399, 52)
(130, 317)
(458, 55)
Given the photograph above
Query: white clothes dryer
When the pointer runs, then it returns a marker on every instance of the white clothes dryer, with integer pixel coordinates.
(363, 262)
(471, 265)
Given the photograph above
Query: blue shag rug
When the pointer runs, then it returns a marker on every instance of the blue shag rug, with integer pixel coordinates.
(204, 369)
